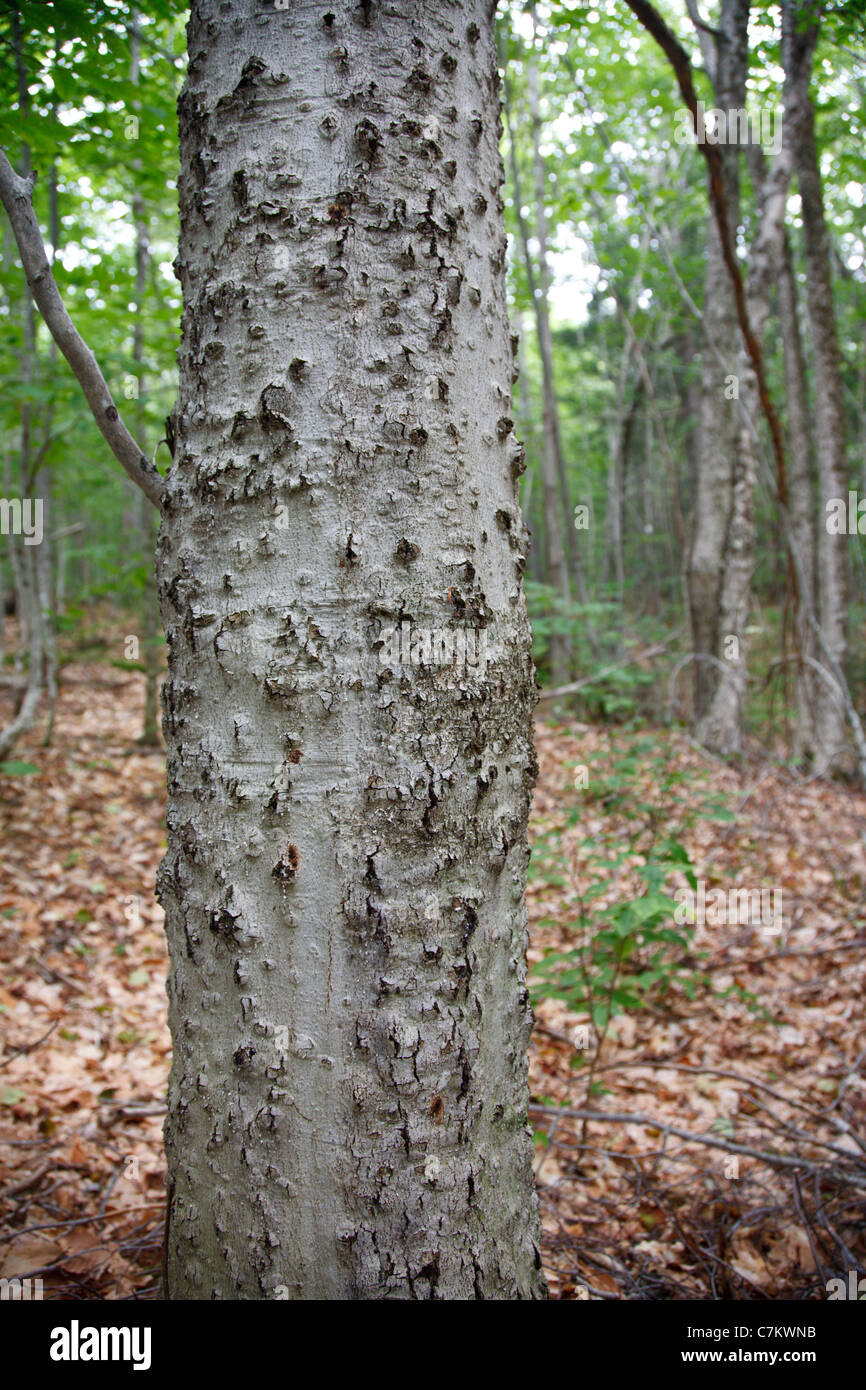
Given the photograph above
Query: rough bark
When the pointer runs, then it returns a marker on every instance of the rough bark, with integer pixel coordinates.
(347, 834)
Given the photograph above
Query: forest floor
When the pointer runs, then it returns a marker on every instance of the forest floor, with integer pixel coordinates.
(728, 1157)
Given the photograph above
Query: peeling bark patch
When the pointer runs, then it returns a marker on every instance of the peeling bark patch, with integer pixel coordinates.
(367, 138)
(286, 867)
(329, 277)
(420, 80)
(406, 551)
(240, 192)
(274, 408)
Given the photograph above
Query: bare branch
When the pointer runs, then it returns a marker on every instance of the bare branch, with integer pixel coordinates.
(16, 195)
(839, 1175)
(707, 38)
(573, 688)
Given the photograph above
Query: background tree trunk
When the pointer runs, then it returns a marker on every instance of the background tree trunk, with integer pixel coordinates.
(798, 49)
(718, 419)
(344, 883)
(552, 470)
(801, 507)
(146, 517)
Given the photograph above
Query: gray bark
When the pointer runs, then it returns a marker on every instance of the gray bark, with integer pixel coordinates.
(722, 724)
(347, 836)
(801, 506)
(146, 518)
(830, 716)
(541, 302)
(27, 568)
(552, 470)
(718, 420)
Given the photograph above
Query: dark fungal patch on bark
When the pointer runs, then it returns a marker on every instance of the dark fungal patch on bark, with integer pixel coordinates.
(286, 866)
(274, 408)
(406, 551)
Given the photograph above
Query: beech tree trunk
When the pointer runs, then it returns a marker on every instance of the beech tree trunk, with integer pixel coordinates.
(149, 609)
(801, 507)
(553, 483)
(721, 726)
(830, 724)
(714, 505)
(344, 882)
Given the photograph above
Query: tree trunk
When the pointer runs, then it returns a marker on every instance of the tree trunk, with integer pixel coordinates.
(798, 49)
(149, 600)
(552, 472)
(721, 726)
(27, 567)
(347, 829)
(44, 490)
(718, 419)
(617, 442)
(801, 507)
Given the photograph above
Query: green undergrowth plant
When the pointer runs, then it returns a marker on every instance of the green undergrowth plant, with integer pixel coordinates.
(626, 952)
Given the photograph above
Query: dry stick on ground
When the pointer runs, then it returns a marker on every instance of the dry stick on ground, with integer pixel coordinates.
(824, 1116)
(835, 1175)
(29, 1047)
(86, 1220)
(851, 1259)
(681, 64)
(16, 195)
(820, 1116)
(599, 675)
(807, 1225)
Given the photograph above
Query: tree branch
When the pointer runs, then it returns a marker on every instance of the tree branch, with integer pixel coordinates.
(679, 61)
(16, 195)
